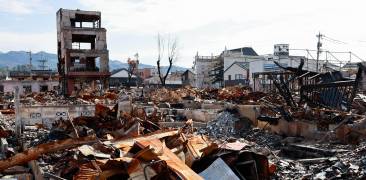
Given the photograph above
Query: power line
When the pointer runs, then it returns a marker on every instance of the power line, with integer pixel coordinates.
(333, 40)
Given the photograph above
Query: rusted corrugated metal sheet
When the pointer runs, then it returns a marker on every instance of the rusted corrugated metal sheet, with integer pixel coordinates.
(173, 162)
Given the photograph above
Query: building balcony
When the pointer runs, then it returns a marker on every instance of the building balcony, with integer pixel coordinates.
(81, 68)
(86, 72)
(91, 74)
(87, 51)
(80, 29)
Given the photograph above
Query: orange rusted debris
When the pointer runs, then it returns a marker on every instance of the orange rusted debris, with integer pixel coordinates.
(86, 172)
(7, 111)
(34, 152)
(5, 133)
(173, 162)
(194, 146)
(111, 95)
(103, 169)
(125, 142)
(101, 110)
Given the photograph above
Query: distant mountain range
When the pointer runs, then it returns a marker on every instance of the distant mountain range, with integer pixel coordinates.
(15, 58)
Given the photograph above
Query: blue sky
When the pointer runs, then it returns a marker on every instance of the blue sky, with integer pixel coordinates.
(206, 26)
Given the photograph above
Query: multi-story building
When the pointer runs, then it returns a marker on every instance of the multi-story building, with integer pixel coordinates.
(204, 69)
(237, 66)
(82, 50)
(240, 64)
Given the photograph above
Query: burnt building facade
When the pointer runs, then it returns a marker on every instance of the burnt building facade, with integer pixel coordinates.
(83, 58)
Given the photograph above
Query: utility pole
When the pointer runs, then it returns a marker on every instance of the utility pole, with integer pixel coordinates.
(30, 59)
(319, 45)
(18, 122)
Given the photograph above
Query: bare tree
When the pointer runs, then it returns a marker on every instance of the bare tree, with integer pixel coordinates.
(171, 53)
(132, 68)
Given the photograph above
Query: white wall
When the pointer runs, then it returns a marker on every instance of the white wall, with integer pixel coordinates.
(48, 114)
(230, 59)
(9, 85)
(234, 69)
(121, 73)
(202, 70)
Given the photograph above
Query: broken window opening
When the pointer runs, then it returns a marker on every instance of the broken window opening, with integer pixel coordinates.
(86, 21)
(85, 64)
(43, 88)
(80, 41)
(97, 62)
(88, 24)
(78, 24)
(27, 89)
(80, 45)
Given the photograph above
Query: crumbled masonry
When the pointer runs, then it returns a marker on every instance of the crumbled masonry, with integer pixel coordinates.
(180, 133)
(311, 130)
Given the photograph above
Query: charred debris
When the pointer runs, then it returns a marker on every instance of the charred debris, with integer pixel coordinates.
(310, 126)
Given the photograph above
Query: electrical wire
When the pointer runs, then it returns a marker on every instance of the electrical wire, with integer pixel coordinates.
(332, 40)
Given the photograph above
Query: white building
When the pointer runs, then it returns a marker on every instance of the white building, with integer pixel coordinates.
(238, 65)
(237, 74)
(30, 81)
(203, 67)
(120, 77)
(255, 63)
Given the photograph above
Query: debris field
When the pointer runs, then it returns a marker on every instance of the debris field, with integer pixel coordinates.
(308, 131)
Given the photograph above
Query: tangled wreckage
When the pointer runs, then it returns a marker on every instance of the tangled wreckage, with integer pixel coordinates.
(306, 125)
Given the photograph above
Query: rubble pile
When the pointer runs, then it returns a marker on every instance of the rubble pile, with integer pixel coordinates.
(173, 96)
(221, 127)
(239, 95)
(235, 94)
(263, 138)
(184, 133)
(359, 104)
(329, 161)
(167, 154)
(96, 97)
(50, 98)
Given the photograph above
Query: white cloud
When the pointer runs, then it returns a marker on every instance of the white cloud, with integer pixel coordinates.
(24, 7)
(208, 26)
(43, 41)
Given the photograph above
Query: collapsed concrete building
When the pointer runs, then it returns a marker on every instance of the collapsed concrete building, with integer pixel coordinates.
(30, 81)
(82, 50)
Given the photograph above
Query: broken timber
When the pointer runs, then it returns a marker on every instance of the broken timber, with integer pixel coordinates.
(34, 152)
(173, 162)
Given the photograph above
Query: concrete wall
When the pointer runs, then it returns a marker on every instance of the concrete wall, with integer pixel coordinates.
(188, 78)
(48, 114)
(100, 34)
(9, 86)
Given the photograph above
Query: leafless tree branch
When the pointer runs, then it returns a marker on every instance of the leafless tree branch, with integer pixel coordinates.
(171, 55)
